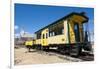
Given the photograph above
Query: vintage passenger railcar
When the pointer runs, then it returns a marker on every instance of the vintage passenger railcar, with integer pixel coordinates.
(66, 34)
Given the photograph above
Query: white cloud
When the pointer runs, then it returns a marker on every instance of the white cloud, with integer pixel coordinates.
(16, 27)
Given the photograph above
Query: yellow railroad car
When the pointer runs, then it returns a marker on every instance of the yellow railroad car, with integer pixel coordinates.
(67, 34)
(29, 44)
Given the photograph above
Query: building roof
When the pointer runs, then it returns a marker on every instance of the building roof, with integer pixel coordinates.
(65, 17)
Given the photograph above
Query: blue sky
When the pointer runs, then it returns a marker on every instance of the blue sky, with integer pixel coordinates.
(32, 17)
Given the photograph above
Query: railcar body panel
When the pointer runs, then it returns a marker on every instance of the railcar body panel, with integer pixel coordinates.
(38, 41)
(59, 39)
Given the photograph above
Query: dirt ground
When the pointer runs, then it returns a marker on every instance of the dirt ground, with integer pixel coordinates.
(23, 57)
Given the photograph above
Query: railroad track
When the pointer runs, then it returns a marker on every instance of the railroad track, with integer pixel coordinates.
(84, 56)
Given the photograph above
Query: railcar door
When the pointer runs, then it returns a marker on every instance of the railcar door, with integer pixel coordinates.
(44, 38)
(77, 32)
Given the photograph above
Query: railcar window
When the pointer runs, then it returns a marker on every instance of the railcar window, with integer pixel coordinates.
(43, 36)
(57, 29)
(46, 35)
(38, 36)
(53, 33)
(49, 34)
(62, 31)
